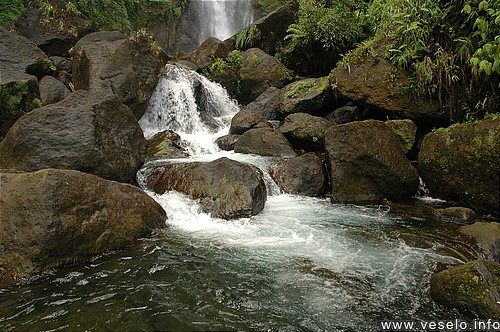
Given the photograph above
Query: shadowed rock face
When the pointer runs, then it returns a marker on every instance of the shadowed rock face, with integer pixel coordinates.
(83, 132)
(303, 175)
(366, 164)
(226, 188)
(53, 217)
(462, 163)
(305, 131)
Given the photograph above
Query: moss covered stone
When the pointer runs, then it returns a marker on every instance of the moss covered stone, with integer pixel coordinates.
(471, 288)
(462, 163)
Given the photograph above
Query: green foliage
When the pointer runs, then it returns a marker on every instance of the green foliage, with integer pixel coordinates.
(323, 31)
(10, 10)
(246, 38)
(234, 59)
(255, 61)
(127, 15)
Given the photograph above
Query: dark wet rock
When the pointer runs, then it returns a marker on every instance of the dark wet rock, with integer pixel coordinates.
(305, 131)
(85, 132)
(245, 120)
(366, 164)
(456, 214)
(52, 90)
(264, 142)
(471, 288)
(345, 114)
(265, 103)
(210, 49)
(227, 142)
(54, 217)
(226, 188)
(461, 164)
(303, 175)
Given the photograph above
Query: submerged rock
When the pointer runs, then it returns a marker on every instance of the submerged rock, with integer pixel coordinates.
(366, 164)
(471, 288)
(303, 175)
(461, 163)
(226, 188)
(83, 132)
(264, 142)
(459, 215)
(54, 217)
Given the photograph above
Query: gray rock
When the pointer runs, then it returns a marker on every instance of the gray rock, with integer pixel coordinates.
(226, 188)
(265, 103)
(264, 142)
(245, 120)
(52, 90)
(305, 131)
(227, 142)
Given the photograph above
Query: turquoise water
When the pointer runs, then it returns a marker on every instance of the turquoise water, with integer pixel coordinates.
(302, 264)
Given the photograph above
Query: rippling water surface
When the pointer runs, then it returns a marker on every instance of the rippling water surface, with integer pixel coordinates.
(302, 264)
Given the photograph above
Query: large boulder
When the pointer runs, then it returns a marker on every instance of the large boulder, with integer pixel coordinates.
(19, 94)
(109, 62)
(85, 132)
(52, 90)
(244, 120)
(461, 164)
(210, 49)
(311, 95)
(53, 26)
(471, 288)
(303, 175)
(18, 54)
(305, 131)
(264, 142)
(487, 236)
(53, 217)
(366, 164)
(372, 81)
(226, 188)
(260, 71)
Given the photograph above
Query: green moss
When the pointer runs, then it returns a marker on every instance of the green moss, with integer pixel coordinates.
(255, 61)
(470, 284)
(18, 98)
(10, 10)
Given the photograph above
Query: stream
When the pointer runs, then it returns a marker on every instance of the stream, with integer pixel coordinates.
(303, 263)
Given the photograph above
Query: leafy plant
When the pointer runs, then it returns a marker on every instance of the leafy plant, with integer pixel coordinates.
(10, 10)
(246, 38)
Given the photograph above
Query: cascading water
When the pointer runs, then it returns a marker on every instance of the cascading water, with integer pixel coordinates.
(219, 18)
(302, 264)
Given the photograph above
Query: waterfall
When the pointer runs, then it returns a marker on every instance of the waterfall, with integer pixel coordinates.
(219, 18)
(190, 105)
(424, 194)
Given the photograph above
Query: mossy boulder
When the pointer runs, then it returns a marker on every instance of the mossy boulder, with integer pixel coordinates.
(260, 71)
(461, 164)
(372, 81)
(366, 164)
(305, 131)
(166, 144)
(405, 131)
(226, 188)
(303, 175)
(54, 217)
(19, 94)
(265, 142)
(312, 95)
(85, 132)
(471, 288)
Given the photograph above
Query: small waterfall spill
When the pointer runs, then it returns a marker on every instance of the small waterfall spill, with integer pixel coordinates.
(220, 18)
(190, 105)
(424, 194)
